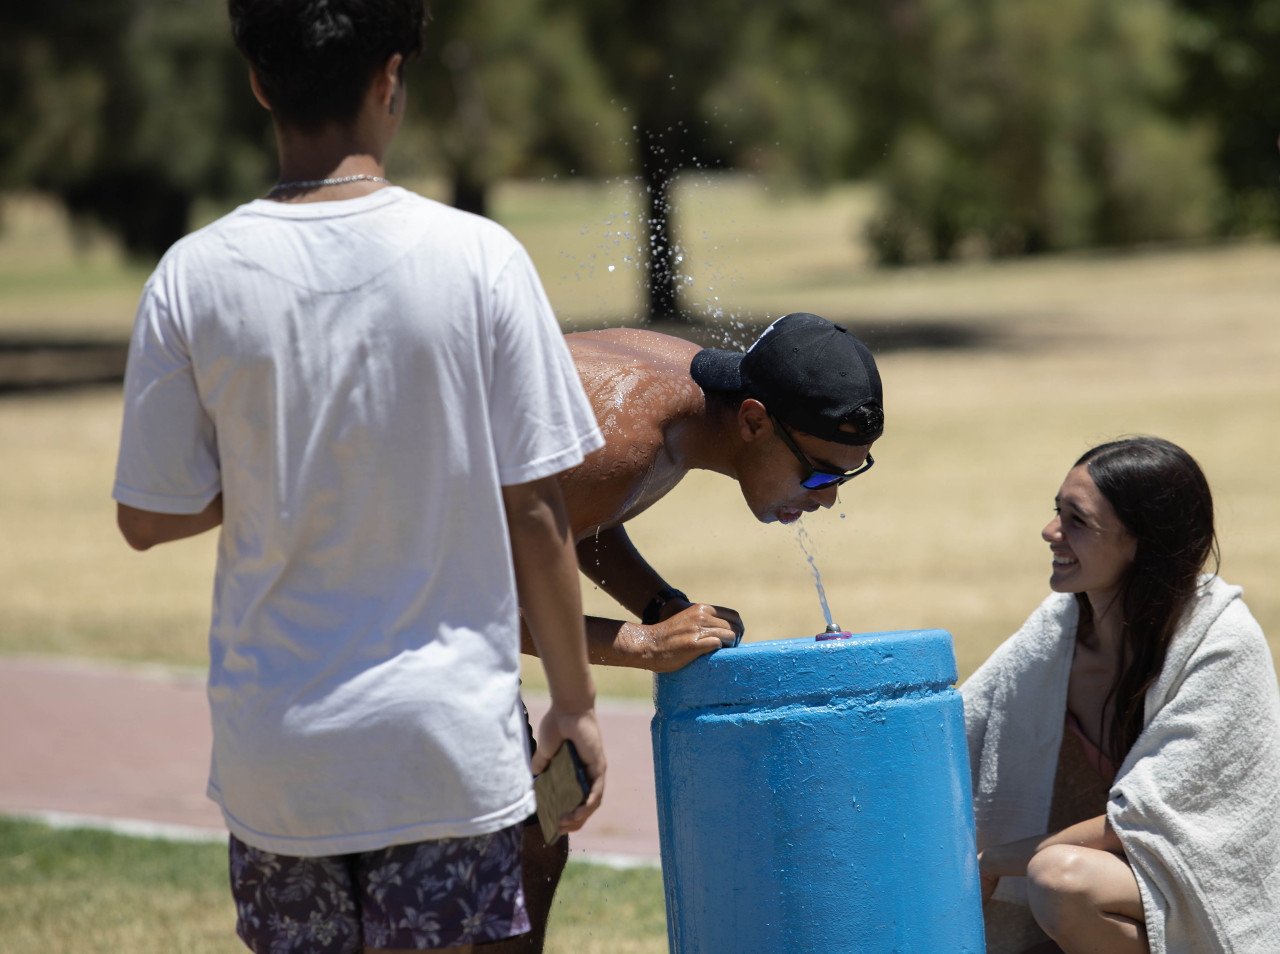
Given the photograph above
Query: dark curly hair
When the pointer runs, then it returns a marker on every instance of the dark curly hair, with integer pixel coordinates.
(315, 59)
(1162, 497)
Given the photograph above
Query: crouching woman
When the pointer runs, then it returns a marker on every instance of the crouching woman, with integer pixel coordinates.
(1125, 742)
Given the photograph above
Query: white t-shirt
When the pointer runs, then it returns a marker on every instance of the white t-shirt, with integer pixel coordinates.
(358, 379)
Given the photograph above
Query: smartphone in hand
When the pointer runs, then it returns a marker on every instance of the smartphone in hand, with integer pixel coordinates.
(560, 789)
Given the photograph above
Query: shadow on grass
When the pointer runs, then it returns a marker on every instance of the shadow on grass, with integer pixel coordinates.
(31, 365)
(882, 337)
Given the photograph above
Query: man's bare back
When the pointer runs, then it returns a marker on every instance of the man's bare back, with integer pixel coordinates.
(645, 401)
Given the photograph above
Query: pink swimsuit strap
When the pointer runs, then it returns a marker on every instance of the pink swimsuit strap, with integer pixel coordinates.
(1105, 768)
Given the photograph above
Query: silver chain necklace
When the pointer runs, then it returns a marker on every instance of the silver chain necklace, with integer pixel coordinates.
(317, 183)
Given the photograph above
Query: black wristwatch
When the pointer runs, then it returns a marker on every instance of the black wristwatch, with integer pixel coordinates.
(653, 612)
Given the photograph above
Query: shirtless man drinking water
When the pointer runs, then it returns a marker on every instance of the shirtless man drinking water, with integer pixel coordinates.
(791, 420)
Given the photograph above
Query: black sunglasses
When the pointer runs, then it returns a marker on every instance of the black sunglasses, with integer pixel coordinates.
(818, 479)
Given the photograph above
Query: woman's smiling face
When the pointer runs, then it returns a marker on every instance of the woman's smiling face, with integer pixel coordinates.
(1092, 550)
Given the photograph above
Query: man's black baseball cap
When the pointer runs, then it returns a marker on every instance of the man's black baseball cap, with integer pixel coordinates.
(811, 374)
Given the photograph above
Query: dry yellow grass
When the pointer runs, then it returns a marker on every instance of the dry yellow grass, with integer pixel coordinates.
(943, 533)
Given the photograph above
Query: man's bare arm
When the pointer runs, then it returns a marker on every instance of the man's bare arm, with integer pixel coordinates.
(663, 647)
(547, 582)
(684, 630)
(611, 561)
(143, 529)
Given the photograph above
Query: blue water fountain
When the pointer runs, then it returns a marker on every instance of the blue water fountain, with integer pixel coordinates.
(814, 796)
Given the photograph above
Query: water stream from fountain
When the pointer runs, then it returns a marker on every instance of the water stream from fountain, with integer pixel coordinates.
(806, 545)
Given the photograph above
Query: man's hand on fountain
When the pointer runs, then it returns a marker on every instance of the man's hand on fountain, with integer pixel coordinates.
(689, 630)
(730, 616)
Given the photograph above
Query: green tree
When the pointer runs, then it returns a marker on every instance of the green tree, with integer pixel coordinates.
(509, 88)
(128, 110)
(710, 85)
(661, 58)
(1039, 132)
(1230, 50)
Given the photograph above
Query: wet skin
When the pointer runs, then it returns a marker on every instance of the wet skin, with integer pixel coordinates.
(647, 406)
(657, 427)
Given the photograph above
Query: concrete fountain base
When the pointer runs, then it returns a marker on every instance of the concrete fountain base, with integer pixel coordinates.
(814, 795)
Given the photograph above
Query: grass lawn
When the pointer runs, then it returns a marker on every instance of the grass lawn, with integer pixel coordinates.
(80, 891)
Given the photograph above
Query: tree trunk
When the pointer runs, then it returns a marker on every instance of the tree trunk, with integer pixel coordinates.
(470, 186)
(660, 161)
(469, 193)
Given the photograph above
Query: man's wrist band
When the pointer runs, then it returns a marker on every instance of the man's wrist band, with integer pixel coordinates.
(653, 612)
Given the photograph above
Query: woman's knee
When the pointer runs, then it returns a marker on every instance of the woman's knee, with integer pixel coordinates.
(1058, 887)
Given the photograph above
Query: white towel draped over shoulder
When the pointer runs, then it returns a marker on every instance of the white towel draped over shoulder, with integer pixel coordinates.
(1197, 800)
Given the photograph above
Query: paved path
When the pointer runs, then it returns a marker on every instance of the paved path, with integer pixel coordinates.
(129, 748)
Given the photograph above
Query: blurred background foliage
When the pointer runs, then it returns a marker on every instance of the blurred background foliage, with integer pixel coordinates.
(128, 111)
(991, 127)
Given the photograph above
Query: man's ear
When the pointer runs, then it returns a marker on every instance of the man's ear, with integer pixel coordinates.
(256, 86)
(388, 82)
(753, 420)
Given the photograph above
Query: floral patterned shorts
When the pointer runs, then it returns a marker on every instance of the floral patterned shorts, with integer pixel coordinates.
(430, 894)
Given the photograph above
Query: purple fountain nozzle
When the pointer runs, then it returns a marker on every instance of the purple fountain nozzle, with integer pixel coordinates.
(833, 631)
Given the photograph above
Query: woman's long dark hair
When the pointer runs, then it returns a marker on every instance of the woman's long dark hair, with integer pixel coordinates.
(1161, 496)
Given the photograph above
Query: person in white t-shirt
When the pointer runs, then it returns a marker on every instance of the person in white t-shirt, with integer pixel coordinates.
(368, 394)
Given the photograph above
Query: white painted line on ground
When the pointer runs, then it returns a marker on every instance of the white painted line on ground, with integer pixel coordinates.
(608, 859)
(133, 827)
(136, 828)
